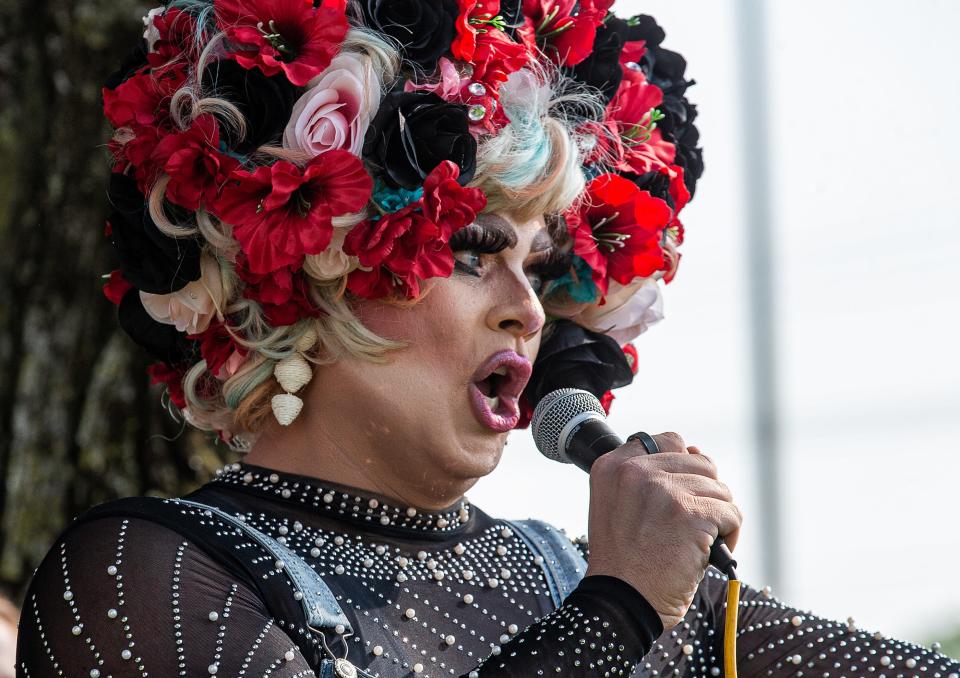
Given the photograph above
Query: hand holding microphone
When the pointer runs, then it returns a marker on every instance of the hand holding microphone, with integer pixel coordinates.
(654, 518)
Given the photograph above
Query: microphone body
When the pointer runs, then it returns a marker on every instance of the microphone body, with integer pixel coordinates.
(570, 426)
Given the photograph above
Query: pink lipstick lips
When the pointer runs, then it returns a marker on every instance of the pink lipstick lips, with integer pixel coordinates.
(495, 390)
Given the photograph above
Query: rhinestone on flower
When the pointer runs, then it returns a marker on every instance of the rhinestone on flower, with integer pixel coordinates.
(477, 112)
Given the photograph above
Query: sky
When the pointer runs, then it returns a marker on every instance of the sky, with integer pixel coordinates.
(863, 99)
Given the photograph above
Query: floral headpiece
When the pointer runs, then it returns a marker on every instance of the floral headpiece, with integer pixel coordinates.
(309, 142)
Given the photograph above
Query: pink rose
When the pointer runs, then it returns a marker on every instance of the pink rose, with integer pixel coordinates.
(335, 111)
(448, 86)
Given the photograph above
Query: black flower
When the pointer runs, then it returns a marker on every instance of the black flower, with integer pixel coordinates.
(265, 102)
(666, 69)
(163, 342)
(424, 29)
(135, 59)
(150, 261)
(640, 27)
(602, 68)
(413, 132)
(574, 357)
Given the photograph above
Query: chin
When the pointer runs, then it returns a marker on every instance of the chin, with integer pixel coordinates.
(477, 456)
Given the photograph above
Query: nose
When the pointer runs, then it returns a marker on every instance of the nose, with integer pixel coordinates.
(517, 310)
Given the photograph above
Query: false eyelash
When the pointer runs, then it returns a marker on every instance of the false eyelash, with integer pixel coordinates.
(554, 264)
(479, 239)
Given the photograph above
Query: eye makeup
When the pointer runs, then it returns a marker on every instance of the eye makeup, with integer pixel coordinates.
(545, 261)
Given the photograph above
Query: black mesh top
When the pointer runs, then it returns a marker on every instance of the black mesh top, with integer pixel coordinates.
(447, 593)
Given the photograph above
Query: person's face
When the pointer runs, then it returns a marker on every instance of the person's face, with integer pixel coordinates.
(432, 407)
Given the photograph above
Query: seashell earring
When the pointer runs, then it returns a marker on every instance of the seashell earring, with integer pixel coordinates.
(292, 373)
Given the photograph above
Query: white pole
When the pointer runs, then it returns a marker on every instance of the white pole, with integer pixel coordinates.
(754, 116)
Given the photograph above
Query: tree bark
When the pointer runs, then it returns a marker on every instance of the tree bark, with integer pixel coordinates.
(79, 423)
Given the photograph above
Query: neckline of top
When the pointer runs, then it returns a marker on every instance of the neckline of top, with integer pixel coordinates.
(341, 501)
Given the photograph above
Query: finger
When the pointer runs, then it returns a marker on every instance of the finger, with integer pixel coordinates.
(670, 442)
(702, 486)
(699, 464)
(732, 539)
(723, 515)
(693, 449)
(630, 449)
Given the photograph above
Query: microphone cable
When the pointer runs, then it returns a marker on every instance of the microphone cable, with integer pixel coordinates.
(729, 567)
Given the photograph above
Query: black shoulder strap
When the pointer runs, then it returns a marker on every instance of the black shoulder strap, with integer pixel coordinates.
(201, 529)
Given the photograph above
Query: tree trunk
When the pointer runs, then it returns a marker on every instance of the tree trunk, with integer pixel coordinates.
(79, 423)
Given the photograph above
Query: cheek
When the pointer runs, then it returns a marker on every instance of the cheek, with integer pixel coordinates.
(441, 326)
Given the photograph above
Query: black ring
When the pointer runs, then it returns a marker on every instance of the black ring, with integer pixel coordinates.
(646, 440)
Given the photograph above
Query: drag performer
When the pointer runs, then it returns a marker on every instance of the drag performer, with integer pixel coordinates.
(362, 240)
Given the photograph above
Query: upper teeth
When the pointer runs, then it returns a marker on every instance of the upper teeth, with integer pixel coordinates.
(502, 371)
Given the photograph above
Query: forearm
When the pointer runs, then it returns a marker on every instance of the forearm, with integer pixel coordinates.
(604, 626)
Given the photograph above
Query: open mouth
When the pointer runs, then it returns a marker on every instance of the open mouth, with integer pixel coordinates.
(496, 388)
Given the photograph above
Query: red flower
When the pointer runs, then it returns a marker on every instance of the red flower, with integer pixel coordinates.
(565, 37)
(633, 51)
(482, 42)
(136, 101)
(475, 18)
(401, 250)
(280, 212)
(526, 412)
(618, 230)
(634, 142)
(282, 294)
(298, 37)
(492, 53)
(406, 247)
(140, 106)
(606, 400)
(446, 202)
(196, 168)
(496, 56)
(116, 287)
(177, 32)
(172, 378)
(217, 345)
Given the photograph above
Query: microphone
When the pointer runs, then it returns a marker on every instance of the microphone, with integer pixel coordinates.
(570, 426)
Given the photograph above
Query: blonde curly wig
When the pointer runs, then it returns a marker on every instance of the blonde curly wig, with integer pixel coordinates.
(531, 167)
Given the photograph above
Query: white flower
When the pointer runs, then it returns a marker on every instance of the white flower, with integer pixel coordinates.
(192, 308)
(151, 34)
(332, 262)
(629, 312)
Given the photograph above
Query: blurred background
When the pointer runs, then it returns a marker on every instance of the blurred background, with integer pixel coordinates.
(811, 334)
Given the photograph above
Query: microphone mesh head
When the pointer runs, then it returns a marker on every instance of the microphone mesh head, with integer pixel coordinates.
(552, 414)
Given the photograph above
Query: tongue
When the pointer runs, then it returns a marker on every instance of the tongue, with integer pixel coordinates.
(485, 386)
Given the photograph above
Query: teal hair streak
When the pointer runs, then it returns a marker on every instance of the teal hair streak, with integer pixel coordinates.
(248, 382)
(531, 147)
(202, 11)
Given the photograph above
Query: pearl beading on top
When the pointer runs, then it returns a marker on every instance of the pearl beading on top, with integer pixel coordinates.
(426, 609)
(345, 505)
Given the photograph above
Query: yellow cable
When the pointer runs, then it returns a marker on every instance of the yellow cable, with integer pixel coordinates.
(730, 629)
